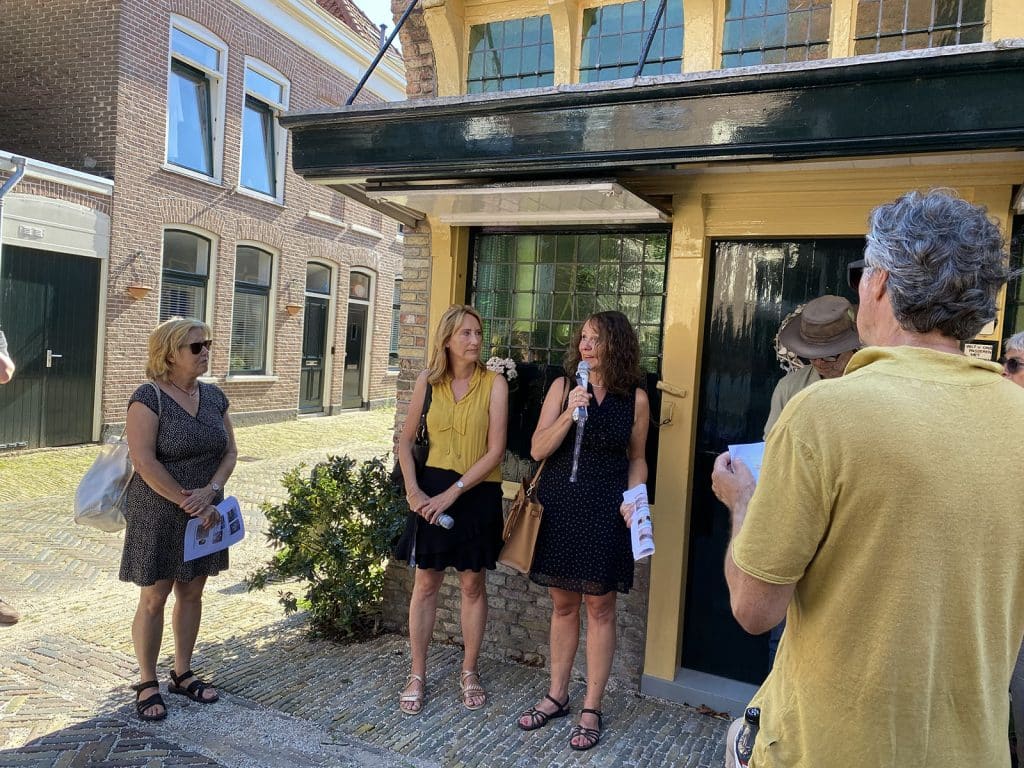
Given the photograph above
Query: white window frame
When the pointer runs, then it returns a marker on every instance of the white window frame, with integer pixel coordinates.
(280, 134)
(217, 79)
(275, 269)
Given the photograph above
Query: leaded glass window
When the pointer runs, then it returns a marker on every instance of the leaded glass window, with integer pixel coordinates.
(506, 55)
(775, 31)
(613, 39)
(534, 290)
(900, 25)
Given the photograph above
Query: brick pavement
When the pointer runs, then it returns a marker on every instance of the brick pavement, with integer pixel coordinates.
(287, 700)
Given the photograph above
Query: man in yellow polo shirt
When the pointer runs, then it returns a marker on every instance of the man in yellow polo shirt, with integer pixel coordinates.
(887, 520)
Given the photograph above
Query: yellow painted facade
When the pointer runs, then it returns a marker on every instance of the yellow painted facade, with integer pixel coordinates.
(806, 199)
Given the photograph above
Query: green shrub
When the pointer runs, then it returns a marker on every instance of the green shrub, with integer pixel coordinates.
(334, 534)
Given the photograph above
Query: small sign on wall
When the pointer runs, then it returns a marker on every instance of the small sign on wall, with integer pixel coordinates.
(982, 350)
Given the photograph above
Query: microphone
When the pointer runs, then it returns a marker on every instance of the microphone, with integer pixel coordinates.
(582, 378)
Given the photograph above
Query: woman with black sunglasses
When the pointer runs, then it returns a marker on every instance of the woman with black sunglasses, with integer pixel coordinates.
(183, 450)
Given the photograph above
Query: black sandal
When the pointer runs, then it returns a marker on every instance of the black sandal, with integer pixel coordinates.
(539, 718)
(592, 736)
(193, 690)
(156, 700)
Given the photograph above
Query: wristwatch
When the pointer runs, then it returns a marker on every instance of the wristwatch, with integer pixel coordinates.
(216, 487)
(459, 484)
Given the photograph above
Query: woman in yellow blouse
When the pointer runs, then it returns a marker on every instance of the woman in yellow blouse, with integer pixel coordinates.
(466, 420)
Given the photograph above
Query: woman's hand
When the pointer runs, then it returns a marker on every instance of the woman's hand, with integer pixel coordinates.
(626, 509)
(435, 505)
(416, 500)
(197, 499)
(208, 516)
(578, 398)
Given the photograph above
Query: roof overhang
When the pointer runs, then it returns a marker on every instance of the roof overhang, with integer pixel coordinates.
(959, 99)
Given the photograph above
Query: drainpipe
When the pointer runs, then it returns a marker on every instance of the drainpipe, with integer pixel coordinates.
(19, 171)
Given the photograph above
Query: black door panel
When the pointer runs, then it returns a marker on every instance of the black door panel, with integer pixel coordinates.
(754, 286)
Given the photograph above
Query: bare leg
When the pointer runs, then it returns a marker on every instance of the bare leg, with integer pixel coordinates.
(422, 613)
(565, 639)
(474, 622)
(188, 612)
(600, 650)
(147, 632)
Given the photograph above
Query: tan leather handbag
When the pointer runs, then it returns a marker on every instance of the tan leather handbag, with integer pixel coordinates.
(522, 525)
(523, 522)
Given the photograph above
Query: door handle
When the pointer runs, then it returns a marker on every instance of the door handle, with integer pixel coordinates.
(50, 357)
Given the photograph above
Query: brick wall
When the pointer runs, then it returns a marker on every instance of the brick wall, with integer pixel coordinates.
(520, 611)
(115, 114)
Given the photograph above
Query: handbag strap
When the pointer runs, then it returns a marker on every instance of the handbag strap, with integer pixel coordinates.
(536, 475)
(421, 430)
(159, 408)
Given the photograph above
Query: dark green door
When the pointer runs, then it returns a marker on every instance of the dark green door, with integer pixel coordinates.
(314, 355)
(355, 343)
(754, 285)
(49, 308)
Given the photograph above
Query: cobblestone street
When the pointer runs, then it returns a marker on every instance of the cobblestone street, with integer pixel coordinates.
(286, 700)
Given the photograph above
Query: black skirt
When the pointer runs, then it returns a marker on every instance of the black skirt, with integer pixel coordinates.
(472, 544)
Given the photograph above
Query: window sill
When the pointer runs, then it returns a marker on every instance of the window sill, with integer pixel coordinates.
(360, 229)
(240, 190)
(251, 378)
(323, 218)
(195, 175)
(393, 372)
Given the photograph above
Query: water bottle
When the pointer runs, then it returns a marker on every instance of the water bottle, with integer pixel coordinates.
(748, 733)
(445, 521)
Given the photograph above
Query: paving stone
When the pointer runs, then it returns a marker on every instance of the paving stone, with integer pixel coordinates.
(66, 668)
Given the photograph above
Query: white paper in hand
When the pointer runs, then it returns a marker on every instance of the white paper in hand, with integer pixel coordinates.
(641, 532)
(230, 530)
(750, 454)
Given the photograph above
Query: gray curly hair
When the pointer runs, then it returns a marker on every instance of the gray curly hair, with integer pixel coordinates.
(946, 262)
(1015, 343)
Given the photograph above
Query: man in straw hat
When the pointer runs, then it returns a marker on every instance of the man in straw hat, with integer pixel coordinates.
(823, 332)
(886, 520)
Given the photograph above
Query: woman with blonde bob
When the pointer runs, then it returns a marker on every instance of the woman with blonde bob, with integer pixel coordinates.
(183, 450)
(466, 421)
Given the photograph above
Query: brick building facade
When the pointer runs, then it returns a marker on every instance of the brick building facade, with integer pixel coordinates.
(108, 88)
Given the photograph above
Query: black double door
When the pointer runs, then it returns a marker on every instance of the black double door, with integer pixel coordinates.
(49, 309)
(754, 285)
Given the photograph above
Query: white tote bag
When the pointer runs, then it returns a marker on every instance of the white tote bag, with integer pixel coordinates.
(99, 500)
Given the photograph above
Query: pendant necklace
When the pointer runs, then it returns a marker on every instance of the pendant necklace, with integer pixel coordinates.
(193, 393)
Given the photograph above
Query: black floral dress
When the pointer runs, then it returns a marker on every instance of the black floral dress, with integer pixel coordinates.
(583, 544)
(190, 448)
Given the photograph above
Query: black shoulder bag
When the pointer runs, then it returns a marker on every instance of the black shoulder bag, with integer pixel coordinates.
(420, 445)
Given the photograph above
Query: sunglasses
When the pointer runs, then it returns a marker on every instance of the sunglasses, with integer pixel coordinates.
(854, 272)
(829, 359)
(1013, 365)
(198, 346)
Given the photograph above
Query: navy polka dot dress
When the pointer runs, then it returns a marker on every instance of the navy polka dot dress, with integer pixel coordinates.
(190, 448)
(583, 544)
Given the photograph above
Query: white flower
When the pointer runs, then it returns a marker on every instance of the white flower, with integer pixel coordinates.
(505, 366)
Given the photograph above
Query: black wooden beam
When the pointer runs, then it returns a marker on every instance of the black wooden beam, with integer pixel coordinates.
(929, 102)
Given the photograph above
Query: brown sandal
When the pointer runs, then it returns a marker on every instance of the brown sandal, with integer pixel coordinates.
(591, 735)
(539, 718)
(472, 690)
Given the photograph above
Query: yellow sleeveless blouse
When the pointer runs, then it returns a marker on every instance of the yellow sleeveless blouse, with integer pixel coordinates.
(458, 431)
